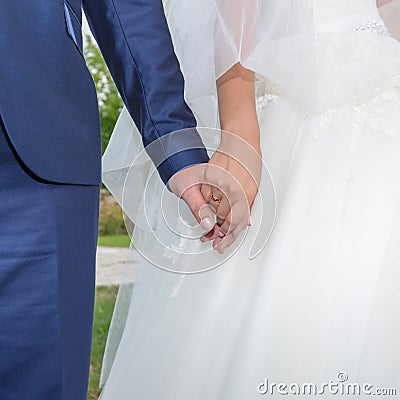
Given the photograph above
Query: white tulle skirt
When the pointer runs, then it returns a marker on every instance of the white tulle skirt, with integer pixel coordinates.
(320, 303)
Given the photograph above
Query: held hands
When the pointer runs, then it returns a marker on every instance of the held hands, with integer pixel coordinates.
(228, 183)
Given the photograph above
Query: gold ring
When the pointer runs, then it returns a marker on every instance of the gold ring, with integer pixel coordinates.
(216, 199)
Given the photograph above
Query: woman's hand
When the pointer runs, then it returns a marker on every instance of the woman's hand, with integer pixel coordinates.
(231, 184)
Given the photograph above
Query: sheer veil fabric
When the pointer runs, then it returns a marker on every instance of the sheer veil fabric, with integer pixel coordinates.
(327, 76)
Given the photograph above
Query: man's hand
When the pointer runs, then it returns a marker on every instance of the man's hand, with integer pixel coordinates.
(186, 184)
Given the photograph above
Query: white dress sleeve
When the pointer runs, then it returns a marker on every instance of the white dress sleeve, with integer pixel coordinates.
(290, 44)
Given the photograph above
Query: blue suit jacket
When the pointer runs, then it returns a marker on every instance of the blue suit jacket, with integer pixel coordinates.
(48, 103)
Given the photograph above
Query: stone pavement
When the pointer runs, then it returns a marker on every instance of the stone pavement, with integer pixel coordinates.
(110, 265)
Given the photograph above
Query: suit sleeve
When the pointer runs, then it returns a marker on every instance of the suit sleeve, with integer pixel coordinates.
(134, 39)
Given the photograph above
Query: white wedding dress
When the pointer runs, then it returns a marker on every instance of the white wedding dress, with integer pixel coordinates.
(321, 301)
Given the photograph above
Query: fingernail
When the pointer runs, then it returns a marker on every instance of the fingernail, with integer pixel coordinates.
(250, 221)
(206, 224)
(221, 234)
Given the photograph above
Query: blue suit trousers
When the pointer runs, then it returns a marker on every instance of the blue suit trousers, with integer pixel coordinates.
(48, 235)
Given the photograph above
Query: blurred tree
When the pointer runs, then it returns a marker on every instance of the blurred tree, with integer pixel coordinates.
(110, 103)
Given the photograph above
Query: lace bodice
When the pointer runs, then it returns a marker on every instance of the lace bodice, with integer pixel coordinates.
(347, 53)
(327, 48)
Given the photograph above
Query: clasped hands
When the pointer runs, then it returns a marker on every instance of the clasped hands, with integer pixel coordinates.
(228, 183)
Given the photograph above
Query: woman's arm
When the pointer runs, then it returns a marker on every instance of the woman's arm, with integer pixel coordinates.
(233, 172)
(237, 104)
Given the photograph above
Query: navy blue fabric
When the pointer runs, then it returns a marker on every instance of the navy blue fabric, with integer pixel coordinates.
(47, 276)
(148, 77)
(50, 166)
(47, 97)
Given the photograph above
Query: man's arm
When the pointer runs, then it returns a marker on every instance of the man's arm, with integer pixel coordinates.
(135, 41)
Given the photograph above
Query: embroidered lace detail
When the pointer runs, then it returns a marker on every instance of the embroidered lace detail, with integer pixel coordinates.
(266, 91)
(378, 114)
(376, 110)
(374, 27)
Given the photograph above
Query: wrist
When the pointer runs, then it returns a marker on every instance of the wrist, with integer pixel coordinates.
(240, 137)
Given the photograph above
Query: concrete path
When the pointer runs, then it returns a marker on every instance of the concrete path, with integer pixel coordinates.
(110, 265)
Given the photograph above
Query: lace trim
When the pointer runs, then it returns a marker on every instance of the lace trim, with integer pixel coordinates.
(369, 110)
(266, 92)
(376, 113)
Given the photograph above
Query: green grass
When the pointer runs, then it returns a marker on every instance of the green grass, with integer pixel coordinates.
(114, 241)
(105, 300)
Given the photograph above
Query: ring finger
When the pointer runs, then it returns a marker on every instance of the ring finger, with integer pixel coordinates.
(216, 197)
